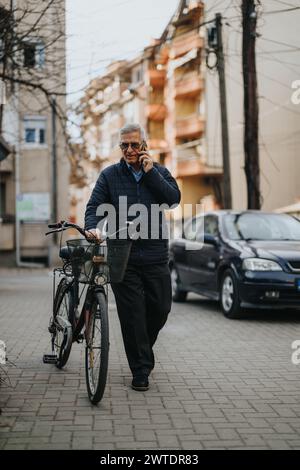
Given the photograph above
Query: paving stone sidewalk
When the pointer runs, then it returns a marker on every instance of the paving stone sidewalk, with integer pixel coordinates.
(218, 384)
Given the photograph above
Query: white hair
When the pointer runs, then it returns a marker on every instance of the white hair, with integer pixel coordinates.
(128, 128)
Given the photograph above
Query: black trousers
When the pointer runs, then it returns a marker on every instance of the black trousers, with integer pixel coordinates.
(143, 299)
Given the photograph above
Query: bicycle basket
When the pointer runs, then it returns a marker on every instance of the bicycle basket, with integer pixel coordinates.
(118, 252)
(85, 256)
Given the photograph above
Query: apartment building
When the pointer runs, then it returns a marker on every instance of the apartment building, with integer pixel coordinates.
(31, 125)
(163, 89)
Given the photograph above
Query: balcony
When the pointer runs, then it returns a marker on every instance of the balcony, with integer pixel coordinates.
(185, 43)
(189, 86)
(156, 78)
(190, 151)
(113, 93)
(156, 112)
(191, 161)
(158, 144)
(191, 126)
(195, 167)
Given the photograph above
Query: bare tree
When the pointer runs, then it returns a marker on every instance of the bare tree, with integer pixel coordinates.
(32, 51)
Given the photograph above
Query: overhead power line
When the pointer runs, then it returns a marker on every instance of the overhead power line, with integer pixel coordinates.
(285, 3)
(296, 48)
(274, 12)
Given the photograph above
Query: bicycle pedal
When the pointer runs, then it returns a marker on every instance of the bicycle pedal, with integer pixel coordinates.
(80, 339)
(49, 359)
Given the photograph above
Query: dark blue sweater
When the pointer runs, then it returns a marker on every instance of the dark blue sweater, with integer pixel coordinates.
(155, 187)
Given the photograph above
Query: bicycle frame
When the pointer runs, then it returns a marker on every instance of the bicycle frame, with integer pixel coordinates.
(61, 227)
(91, 269)
(73, 285)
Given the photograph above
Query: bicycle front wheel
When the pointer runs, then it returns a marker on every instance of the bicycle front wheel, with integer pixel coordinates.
(62, 331)
(97, 347)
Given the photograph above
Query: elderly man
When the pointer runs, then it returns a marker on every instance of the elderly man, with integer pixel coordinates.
(143, 298)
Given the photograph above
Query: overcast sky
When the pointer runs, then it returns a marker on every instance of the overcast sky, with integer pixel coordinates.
(100, 31)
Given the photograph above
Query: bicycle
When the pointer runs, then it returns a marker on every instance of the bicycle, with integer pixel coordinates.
(85, 262)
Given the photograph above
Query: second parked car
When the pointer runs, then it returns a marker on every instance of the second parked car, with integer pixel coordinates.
(243, 259)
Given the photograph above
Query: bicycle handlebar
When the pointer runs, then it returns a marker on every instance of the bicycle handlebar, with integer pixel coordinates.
(54, 225)
(63, 225)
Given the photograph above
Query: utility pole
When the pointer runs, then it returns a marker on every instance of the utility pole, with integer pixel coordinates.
(251, 105)
(215, 41)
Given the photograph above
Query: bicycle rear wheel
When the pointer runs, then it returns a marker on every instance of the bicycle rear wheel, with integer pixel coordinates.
(62, 328)
(97, 348)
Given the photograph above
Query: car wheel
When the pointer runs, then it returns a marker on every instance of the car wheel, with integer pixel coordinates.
(229, 295)
(178, 295)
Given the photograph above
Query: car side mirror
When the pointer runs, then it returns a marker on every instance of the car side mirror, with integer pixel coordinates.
(211, 240)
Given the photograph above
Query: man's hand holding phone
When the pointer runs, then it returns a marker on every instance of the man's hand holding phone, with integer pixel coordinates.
(145, 161)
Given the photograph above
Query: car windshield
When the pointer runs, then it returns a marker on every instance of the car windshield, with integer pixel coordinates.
(250, 226)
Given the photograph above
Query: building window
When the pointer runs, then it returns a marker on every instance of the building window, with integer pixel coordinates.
(35, 131)
(34, 54)
(211, 225)
(137, 75)
(29, 55)
(30, 136)
(192, 228)
(42, 136)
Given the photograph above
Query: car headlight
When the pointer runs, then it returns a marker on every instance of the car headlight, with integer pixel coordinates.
(258, 264)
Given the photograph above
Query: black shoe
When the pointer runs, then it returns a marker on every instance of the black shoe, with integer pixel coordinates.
(140, 383)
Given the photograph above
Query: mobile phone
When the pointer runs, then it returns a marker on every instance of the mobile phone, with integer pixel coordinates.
(143, 148)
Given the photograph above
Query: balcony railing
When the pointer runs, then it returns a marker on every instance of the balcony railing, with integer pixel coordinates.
(184, 43)
(115, 94)
(156, 78)
(190, 126)
(191, 161)
(158, 144)
(191, 151)
(196, 167)
(189, 85)
(156, 112)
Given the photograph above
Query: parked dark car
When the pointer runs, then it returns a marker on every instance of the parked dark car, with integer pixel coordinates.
(243, 259)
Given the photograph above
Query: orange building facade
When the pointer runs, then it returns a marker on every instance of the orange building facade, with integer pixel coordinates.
(163, 89)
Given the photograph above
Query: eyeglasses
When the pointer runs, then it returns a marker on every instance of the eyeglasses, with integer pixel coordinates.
(133, 145)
